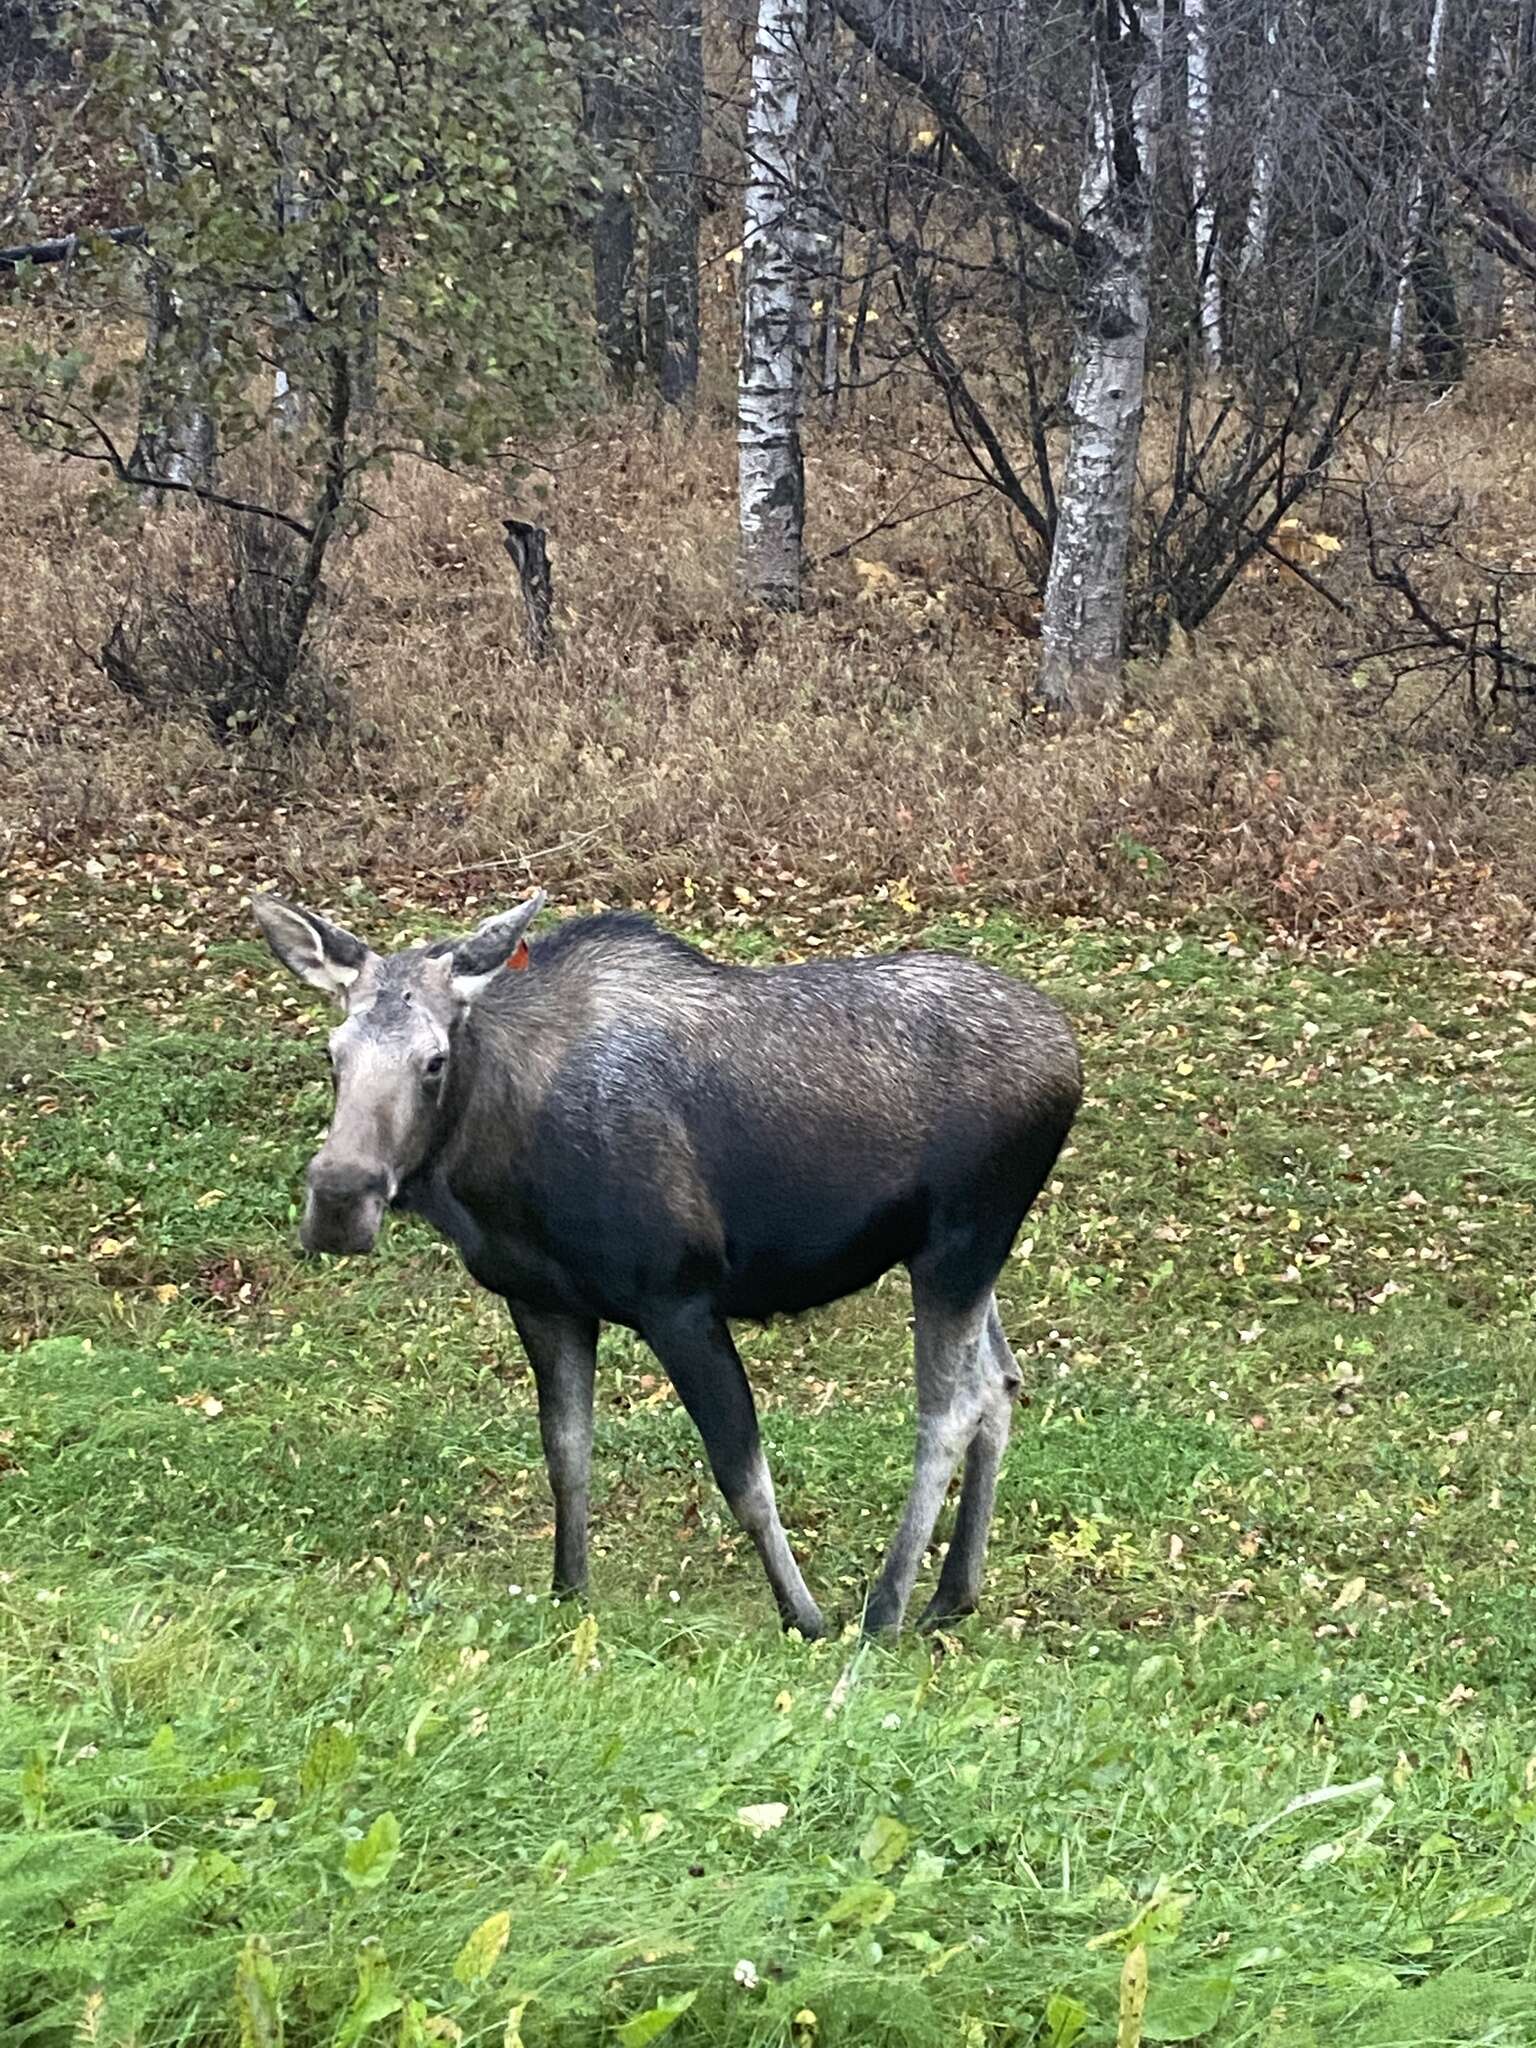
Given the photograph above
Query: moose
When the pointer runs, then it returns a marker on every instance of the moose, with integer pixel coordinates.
(613, 1127)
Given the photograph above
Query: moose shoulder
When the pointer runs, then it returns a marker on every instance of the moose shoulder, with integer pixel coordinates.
(613, 1127)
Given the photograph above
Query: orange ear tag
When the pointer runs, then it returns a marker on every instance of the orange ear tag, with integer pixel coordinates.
(517, 959)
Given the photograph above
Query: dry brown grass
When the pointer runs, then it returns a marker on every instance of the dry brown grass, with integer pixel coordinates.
(675, 747)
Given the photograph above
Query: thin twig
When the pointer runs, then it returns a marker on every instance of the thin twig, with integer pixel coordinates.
(899, 519)
(1339, 604)
(515, 860)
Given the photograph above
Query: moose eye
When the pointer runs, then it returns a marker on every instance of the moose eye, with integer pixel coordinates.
(435, 1065)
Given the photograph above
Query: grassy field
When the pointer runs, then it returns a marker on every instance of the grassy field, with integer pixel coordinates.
(294, 1748)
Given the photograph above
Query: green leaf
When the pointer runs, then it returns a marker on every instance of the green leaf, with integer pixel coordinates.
(377, 1999)
(413, 2025)
(223, 1788)
(864, 1904)
(480, 1954)
(885, 1844)
(647, 2026)
(368, 1863)
(1158, 1921)
(592, 1860)
(329, 1764)
(424, 1715)
(1188, 2011)
(1370, 1977)
(258, 2006)
(1493, 1906)
(1065, 2019)
(924, 1869)
(34, 1790)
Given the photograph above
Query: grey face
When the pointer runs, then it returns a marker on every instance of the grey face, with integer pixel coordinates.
(391, 1056)
(390, 1060)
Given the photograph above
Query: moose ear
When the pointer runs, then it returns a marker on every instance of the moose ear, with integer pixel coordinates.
(325, 955)
(496, 945)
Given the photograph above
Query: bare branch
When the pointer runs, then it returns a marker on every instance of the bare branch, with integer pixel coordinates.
(64, 248)
(109, 456)
(908, 65)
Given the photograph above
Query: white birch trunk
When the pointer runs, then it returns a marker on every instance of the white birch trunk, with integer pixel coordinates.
(774, 315)
(1197, 65)
(1398, 331)
(1083, 623)
(1266, 156)
(177, 438)
(289, 404)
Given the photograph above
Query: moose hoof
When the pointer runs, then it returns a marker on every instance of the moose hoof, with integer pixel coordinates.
(809, 1625)
(942, 1611)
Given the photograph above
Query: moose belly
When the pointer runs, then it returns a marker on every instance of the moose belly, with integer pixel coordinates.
(811, 1259)
(590, 1246)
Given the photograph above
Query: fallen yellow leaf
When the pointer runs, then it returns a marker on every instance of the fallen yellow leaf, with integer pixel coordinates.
(761, 1820)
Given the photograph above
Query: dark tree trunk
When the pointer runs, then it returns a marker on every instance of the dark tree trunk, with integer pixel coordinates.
(365, 362)
(1442, 344)
(605, 108)
(527, 545)
(861, 311)
(672, 295)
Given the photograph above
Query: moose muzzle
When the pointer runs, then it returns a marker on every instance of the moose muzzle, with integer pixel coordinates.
(344, 1206)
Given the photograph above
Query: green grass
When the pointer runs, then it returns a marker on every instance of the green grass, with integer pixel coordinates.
(1253, 1686)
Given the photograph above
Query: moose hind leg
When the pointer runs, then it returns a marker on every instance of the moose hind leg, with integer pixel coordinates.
(959, 1586)
(563, 1353)
(703, 1364)
(955, 1378)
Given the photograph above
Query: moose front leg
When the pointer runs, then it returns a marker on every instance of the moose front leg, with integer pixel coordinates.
(563, 1353)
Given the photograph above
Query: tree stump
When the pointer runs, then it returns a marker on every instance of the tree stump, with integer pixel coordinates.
(527, 545)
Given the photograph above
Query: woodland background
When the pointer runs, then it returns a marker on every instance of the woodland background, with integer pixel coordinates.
(1155, 387)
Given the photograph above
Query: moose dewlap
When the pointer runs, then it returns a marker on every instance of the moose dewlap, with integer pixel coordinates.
(613, 1127)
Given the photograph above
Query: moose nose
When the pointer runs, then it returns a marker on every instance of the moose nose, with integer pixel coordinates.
(345, 1206)
(340, 1183)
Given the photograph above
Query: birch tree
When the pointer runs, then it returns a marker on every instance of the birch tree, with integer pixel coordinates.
(771, 466)
(1082, 625)
(289, 411)
(1110, 244)
(1419, 194)
(1266, 153)
(1197, 66)
(177, 436)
